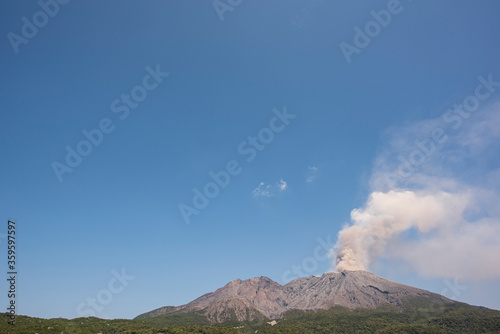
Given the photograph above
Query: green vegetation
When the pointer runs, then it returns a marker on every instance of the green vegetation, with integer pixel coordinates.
(177, 319)
(451, 319)
(93, 325)
(418, 317)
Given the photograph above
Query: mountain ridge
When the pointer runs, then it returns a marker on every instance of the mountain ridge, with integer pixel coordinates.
(262, 298)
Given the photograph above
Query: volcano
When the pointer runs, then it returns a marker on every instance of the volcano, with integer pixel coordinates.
(261, 298)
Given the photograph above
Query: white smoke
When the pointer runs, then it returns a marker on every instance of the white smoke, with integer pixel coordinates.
(387, 215)
(434, 202)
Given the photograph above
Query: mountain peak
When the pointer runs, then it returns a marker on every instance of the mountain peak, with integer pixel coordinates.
(252, 280)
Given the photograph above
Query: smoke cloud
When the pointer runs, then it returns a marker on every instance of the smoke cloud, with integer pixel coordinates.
(434, 200)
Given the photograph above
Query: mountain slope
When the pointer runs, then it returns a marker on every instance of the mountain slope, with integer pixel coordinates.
(351, 289)
(260, 298)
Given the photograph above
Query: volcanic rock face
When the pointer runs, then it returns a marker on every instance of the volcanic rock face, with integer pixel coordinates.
(350, 289)
(257, 297)
(263, 293)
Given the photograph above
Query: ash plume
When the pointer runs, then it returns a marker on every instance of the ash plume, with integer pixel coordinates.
(433, 201)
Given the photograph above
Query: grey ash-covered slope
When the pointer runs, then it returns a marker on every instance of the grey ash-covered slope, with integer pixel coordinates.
(260, 297)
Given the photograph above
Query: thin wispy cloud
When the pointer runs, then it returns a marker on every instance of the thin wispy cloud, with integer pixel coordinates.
(312, 173)
(282, 185)
(262, 191)
(270, 190)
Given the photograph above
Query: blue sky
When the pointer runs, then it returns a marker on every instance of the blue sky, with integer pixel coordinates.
(119, 207)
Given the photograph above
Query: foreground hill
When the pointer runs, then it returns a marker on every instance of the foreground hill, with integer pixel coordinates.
(418, 318)
(260, 298)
